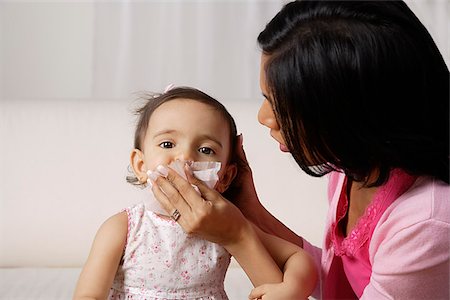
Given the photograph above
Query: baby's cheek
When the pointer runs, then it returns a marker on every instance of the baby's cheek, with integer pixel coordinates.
(152, 164)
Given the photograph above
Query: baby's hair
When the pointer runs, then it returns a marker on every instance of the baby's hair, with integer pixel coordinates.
(153, 101)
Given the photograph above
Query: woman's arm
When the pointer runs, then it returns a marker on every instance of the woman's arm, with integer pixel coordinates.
(98, 273)
(243, 194)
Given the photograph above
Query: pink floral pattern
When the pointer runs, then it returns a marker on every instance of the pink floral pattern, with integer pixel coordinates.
(160, 261)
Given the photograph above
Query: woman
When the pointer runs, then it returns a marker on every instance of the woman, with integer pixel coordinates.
(357, 90)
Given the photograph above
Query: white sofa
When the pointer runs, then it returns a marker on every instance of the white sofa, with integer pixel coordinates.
(59, 283)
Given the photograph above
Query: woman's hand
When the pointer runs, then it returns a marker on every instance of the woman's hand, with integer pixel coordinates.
(242, 190)
(243, 194)
(210, 215)
(207, 214)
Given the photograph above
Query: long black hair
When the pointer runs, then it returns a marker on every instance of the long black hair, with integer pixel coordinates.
(358, 86)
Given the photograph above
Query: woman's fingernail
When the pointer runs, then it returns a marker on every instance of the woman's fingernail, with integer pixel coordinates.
(149, 183)
(187, 168)
(152, 176)
(240, 138)
(162, 170)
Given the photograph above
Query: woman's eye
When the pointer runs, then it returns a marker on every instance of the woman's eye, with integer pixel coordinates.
(166, 145)
(206, 150)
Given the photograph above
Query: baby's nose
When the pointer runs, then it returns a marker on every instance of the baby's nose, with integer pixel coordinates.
(187, 155)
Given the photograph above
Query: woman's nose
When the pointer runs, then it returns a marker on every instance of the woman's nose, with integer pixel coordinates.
(266, 116)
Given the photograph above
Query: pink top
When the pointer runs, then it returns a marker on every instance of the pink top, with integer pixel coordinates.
(354, 248)
(403, 252)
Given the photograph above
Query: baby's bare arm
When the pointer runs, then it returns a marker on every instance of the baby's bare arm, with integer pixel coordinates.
(98, 273)
(300, 274)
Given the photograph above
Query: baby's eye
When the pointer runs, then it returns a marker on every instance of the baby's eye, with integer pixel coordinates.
(166, 145)
(206, 150)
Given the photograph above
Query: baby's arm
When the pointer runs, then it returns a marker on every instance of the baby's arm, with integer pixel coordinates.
(254, 257)
(300, 274)
(98, 273)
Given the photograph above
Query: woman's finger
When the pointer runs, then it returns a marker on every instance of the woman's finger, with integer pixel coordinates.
(169, 197)
(182, 190)
(162, 198)
(240, 156)
(242, 189)
(183, 218)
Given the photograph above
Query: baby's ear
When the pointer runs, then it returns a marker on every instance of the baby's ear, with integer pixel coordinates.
(227, 178)
(138, 164)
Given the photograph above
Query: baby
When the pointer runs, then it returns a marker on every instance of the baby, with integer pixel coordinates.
(140, 253)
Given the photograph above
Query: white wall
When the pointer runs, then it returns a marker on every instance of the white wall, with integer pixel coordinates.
(68, 71)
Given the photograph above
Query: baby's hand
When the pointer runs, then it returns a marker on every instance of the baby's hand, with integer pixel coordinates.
(277, 291)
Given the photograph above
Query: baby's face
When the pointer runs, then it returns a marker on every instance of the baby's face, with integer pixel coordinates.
(186, 130)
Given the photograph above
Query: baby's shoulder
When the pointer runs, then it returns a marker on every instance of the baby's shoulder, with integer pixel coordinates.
(115, 224)
(112, 235)
(118, 220)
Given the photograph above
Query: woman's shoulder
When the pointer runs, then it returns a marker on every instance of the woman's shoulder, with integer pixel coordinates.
(424, 207)
(426, 199)
(410, 246)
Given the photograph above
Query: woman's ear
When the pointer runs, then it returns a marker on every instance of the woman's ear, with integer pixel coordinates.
(138, 164)
(224, 182)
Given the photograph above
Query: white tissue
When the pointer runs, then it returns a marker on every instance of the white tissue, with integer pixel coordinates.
(206, 171)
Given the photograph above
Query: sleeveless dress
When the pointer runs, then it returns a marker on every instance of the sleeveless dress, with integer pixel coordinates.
(160, 261)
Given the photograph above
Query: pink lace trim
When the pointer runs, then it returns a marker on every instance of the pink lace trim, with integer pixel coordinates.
(398, 183)
(361, 232)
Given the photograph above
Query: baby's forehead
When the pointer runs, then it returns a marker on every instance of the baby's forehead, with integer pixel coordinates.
(186, 102)
(189, 114)
(185, 106)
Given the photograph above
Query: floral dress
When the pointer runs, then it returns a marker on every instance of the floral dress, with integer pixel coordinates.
(160, 261)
